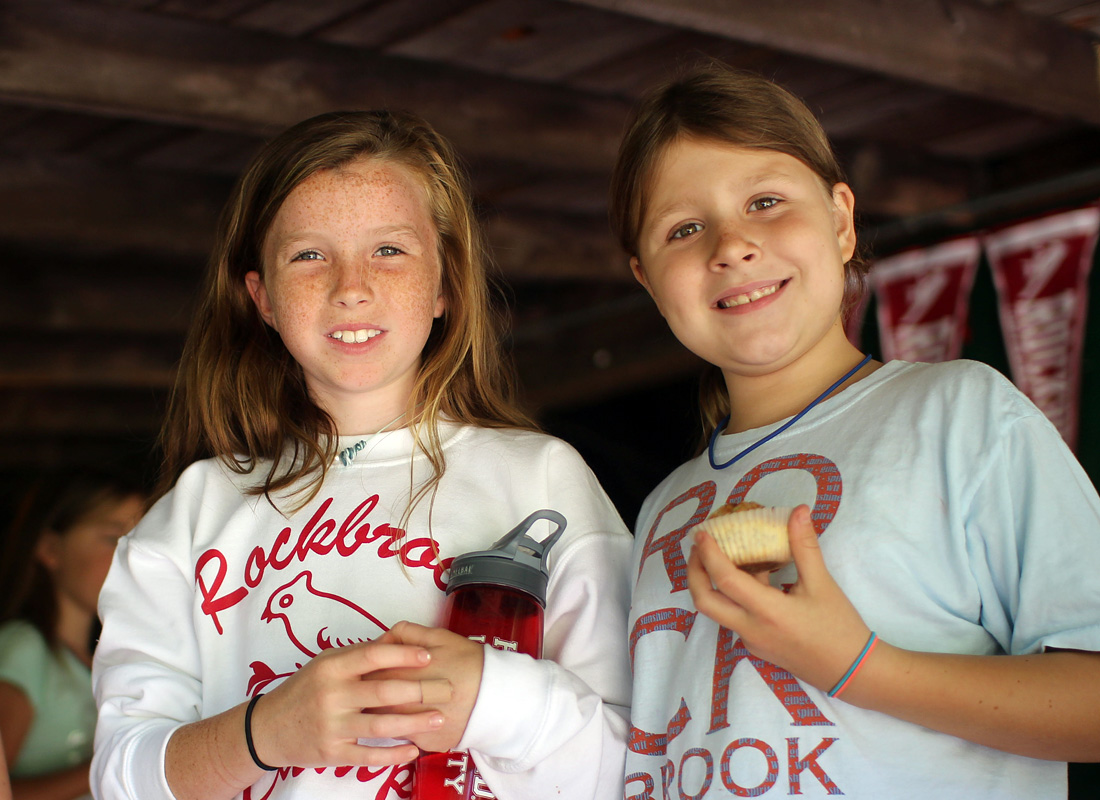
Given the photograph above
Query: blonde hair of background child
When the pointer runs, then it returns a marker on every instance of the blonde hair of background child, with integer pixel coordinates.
(240, 396)
(713, 102)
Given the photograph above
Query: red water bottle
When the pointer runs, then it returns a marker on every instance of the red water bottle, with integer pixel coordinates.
(496, 597)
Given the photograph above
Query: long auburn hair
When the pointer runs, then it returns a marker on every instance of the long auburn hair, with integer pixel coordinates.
(714, 102)
(239, 394)
(53, 502)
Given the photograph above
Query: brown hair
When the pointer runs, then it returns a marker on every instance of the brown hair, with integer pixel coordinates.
(52, 502)
(712, 101)
(240, 396)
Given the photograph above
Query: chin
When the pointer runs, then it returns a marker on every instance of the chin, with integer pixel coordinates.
(760, 361)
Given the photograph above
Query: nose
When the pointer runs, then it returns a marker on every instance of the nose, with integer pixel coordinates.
(733, 246)
(351, 282)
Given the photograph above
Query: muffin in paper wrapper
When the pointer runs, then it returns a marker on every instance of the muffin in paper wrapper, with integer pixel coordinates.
(755, 539)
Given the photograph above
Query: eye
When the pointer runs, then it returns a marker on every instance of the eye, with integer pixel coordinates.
(686, 230)
(308, 255)
(388, 250)
(764, 203)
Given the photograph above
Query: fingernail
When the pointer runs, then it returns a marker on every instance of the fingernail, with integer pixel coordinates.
(423, 656)
(436, 720)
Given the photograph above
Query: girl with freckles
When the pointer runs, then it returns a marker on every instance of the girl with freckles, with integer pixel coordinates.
(937, 632)
(341, 429)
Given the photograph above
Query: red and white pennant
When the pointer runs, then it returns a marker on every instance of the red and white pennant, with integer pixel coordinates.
(922, 300)
(1041, 269)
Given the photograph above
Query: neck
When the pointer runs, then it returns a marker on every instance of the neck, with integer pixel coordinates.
(74, 626)
(359, 413)
(363, 419)
(374, 424)
(759, 400)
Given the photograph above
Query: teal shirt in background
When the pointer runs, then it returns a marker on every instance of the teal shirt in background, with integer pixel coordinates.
(59, 688)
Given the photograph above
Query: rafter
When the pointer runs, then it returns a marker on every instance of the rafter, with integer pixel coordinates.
(72, 202)
(997, 53)
(146, 66)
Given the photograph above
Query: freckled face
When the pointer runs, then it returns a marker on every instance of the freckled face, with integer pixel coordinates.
(743, 251)
(352, 283)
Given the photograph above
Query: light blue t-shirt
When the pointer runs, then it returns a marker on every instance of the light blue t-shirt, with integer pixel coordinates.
(955, 520)
(59, 688)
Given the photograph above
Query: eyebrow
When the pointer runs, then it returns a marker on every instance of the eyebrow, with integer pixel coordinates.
(748, 184)
(304, 237)
(389, 230)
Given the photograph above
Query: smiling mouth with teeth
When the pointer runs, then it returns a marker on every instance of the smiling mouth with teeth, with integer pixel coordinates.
(358, 336)
(745, 299)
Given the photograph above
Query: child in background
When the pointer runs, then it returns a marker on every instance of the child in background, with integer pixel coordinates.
(341, 431)
(953, 521)
(55, 558)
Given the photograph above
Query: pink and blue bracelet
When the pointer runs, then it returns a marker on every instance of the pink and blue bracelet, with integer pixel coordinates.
(846, 678)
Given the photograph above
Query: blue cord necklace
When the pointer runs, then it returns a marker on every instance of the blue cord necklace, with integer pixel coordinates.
(725, 421)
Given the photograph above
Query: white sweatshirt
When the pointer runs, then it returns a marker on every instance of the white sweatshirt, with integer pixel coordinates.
(216, 596)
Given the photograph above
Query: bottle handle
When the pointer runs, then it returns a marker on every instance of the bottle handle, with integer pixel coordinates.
(523, 548)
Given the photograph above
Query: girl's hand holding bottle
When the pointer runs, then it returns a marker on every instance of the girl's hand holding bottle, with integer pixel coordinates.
(316, 717)
(451, 680)
(813, 630)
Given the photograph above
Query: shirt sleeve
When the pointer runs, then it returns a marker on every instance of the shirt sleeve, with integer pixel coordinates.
(556, 727)
(146, 674)
(22, 656)
(1033, 531)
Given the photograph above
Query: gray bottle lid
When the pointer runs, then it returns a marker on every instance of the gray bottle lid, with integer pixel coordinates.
(515, 561)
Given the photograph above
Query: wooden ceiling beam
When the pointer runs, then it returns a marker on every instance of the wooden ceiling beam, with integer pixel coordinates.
(64, 300)
(67, 202)
(61, 53)
(73, 203)
(544, 246)
(997, 53)
(90, 360)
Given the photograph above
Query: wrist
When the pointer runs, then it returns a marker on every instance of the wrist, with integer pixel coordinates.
(249, 734)
(209, 758)
(855, 667)
(875, 686)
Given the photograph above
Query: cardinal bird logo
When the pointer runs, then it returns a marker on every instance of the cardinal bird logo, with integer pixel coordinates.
(302, 607)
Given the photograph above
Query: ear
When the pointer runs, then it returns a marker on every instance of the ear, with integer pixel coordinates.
(844, 217)
(258, 292)
(48, 550)
(639, 274)
(440, 304)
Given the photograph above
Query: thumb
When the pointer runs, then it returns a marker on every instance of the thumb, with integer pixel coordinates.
(805, 549)
(406, 632)
(387, 637)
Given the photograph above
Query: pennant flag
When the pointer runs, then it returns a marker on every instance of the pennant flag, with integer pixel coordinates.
(1040, 270)
(923, 296)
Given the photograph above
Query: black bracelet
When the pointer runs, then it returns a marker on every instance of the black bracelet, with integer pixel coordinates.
(248, 735)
